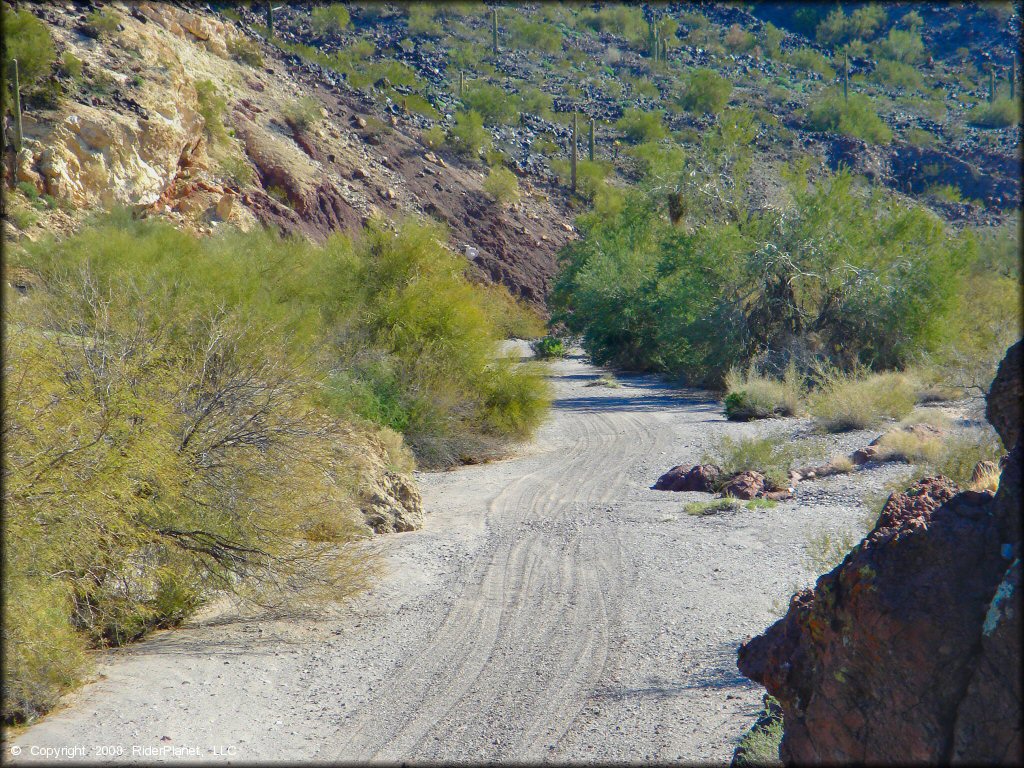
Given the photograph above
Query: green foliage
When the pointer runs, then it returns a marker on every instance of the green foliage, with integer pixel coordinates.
(738, 40)
(245, 51)
(491, 102)
(901, 45)
(1001, 113)
(760, 745)
(771, 37)
(302, 113)
(859, 400)
(422, 20)
(895, 74)
(959, 454)
(103, 22)
(329, 18)
(237, 168)
(28, 40)
(876, 281)
(502, 186)
(433, 137)
(590, 176)
(826, 549)
(641, 125)
(863, 24)
(854, 117)
(771, 456)
(755, 396)
(726, 504)
(812, 61)
(212, 107)
(71, 66)
(624, 20)
(706, 92)
(919, 137)
(416, 104)
(536, 35)
(548, 347)
(468, 136)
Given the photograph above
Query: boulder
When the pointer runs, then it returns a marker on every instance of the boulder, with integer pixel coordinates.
(701, 477)
(864, 455)
(1002, 405)
(909, 650)
(745, 485)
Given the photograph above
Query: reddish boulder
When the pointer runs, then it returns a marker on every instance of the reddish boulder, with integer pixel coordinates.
(864, 455)
(1003, 403)
(701, 477)
(872, 664)
(745, 485)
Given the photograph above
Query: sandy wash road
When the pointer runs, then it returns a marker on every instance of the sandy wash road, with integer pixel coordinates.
(553, 608)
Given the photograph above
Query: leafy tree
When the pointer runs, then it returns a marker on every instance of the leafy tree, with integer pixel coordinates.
(640, 125)
(705, 91)
(468, 136)
(329, 18)
(854, 117)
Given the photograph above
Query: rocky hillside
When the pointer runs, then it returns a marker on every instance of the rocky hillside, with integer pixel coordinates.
(202, 114)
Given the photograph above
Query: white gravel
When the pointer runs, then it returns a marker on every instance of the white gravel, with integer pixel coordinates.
(553, 608)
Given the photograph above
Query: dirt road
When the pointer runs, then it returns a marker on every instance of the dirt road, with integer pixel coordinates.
(553, 608)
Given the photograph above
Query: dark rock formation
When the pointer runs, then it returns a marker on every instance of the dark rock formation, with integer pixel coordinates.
(909, 650)
(1003, 405)
(701, 477)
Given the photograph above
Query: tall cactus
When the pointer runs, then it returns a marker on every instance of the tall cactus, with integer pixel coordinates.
(270, 20)
(991, 84)
(494, 30)
(590, 154)
(1013, 78)
(846, 77)
(462, 83)
(572, 156)
(18, 135)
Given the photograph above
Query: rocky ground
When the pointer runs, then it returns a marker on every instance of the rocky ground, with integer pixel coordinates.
(553, 607)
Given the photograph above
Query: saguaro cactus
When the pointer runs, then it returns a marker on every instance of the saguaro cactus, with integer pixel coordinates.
(591, 143)
(572, 156)
(18, 135)
(991, 84)
(1013, 78)
(846, 77)
(270, 19)
(462, 83)
(494, 30)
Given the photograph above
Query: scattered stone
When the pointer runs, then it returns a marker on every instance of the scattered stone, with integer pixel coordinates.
(682, 478)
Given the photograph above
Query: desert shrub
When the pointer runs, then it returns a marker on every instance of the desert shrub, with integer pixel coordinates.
(590, 176)
(547, 348)
(738, 40)
(502, 186)
(853, 117)
(329, 18)
(212, 107)
(957, 455)
(71, 66)
(536, 35)
(898, 75)
(468, 136)
(28, 40)
(414, 103)
(102, 22)
(901, 45)
(302, 113)
(1000, 113)
(641, 86)
(624, 20)
(760, 745)
(845, 401)
(919, 137)
(639, 125)
(705, 91)
(771, 37)
(825, 549)
(246, 51)
(604, 380)
(535, 101)
(812, 61)
(238, 168)
(726, 504)
(433, 137)
(771, 456)
(755, 396)
(837, 28)
(423, 20)
(491, 102)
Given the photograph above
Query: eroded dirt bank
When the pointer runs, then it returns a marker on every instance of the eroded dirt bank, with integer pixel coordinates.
(552, 608)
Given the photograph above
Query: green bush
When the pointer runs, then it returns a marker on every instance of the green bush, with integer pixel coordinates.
(492, 103)
(755, 396)
(468, 136)
(842, 402)
(71, 66)
(245, 51)
(28, 40)
(855, 117)
(639, 125)
(103, 22)
(771, 456)
(536, 35)
(422, 20)
(502, 186)
(302, 113)
(433, 137)
(898, 75)
(1002, 113)
(706, 92)
(812, 61)
(548, 347)
(902, 45)
(212, 107)
(329, 18)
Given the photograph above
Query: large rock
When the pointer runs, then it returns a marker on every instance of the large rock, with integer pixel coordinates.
(745, 485)
(1003, 404)
(909, 650)
(701, 477)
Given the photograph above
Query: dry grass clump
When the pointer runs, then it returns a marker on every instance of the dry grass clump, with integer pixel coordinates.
(986, 478)
(752, 395)
(911, 447)
(825, 549)
(961, 453)
(607, 380)
(847, 401)
(771, 456)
